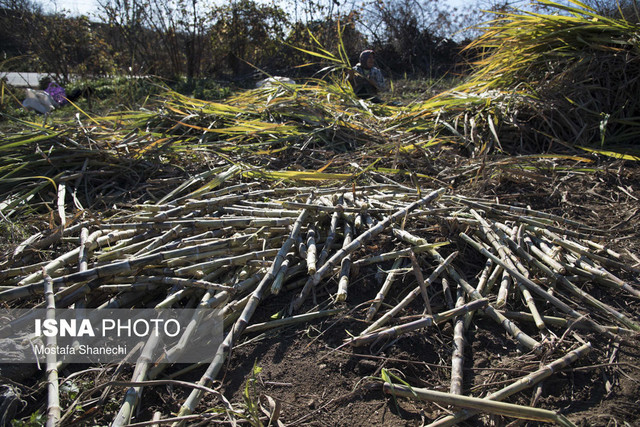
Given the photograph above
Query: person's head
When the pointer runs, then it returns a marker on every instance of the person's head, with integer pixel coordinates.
(367, 59)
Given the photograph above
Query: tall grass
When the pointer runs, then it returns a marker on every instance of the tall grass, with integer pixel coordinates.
(259, 128)
(545, 82)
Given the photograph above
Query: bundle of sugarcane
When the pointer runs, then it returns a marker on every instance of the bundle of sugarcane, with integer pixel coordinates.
(230, 244)
(99, 158)
(547, 80)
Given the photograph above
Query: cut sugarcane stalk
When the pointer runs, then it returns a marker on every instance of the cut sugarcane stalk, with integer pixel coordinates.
(276, 286)
(356, 243)
(511, 328)
(532, 286)
(483, 405)
(311, 251)
(425, 322)
(132, 396)
(287, 321)
(381, 295)
(505, 254)
(345, 266)
(496, 209)
(519, 385)
(53, 393)
(566, 323)
(421, 283)
(411, 296)
(561, 279)
(401, 253)
(581, 250)
(324, 254)
(457, 355)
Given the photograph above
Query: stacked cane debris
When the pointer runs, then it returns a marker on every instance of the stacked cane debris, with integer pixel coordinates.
(230, 248)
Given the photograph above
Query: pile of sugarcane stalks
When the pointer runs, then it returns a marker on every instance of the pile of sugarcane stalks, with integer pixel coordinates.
(231, 247)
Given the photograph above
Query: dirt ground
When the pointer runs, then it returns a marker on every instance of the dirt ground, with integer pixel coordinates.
(317, 381)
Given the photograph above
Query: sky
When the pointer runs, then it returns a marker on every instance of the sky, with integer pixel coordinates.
(89, 7)
(76, 7)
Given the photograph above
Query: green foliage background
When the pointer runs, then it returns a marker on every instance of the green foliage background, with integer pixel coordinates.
(195, 39)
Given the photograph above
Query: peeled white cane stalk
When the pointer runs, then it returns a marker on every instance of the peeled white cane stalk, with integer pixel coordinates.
(62, 191)
(446, 290)
(85, 247)
(503, 291)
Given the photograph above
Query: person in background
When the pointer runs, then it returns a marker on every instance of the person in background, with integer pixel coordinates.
(366, 79)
